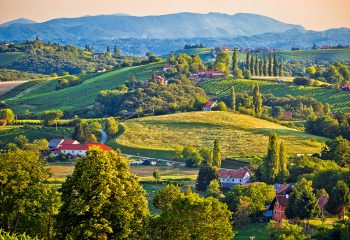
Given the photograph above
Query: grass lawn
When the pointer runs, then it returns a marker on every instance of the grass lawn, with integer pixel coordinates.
(257, 230)
(44, 96)
(238, 134)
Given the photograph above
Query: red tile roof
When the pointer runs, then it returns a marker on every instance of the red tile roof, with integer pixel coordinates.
(100, 145)
(282, 199)
(232, 173)
(209, 104)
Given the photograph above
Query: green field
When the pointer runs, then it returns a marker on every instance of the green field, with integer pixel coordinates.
(43, 96)
(339, 100)
(238, 134)
(9, 133)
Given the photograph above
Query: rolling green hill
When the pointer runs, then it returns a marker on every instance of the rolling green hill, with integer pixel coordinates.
(339, 100)
(44, 96)
(10, 57)
(238, 134)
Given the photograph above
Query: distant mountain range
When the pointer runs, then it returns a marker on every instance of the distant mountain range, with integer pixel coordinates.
(137, 35)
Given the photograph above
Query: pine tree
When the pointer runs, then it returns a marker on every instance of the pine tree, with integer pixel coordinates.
(257, 99)
(284, 173)
(233, 99)
(256, 65)
(281, 69)
(108, 49)
(217, 154)
(265, 65)
(37, 39)
(247, 63)
(272, 159)
(116, 52)
(270, 65)
(275, 64)
(252, 65)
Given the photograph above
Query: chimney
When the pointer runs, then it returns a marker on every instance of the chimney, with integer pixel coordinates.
(287, 196)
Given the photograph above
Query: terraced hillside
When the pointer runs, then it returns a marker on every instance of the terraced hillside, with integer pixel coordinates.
(339, 100)
(238, 134)
(44, 96)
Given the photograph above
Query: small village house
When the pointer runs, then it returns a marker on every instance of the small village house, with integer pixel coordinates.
(160, 80)
(231, 177)
(209, 105)
(54, 144)
(168, 67)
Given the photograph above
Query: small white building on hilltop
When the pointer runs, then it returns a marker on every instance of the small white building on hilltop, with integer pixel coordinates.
(231, 177)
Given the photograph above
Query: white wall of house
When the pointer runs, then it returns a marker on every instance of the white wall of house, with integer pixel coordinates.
(74, 152)
(243, 180)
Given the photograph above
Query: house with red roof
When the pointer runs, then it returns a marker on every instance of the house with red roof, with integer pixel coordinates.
(231, 177)
(160, 80)
(209, 105)
(81, 149)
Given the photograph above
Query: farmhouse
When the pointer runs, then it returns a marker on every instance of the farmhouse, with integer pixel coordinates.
(231, 177)
(209, 105)
(168, 67)
(280, 202)
(81, 149)
(201, 75)
(54, 144)
(160, 80)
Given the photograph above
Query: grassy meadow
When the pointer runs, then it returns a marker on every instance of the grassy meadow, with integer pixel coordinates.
(339, 100)
(238, 134)
(44, 96)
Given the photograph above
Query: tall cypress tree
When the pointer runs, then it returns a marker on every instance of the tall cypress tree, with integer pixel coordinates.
(256, 65)
(257, 99)
(252, 65)
(275, 64)
(272, 159)
(269, 72)
(247, 63)
(281, 69)
(261, 67)
(234, 59)
(265, 65)
(236, 72)
(284, 173)
(233, 99)
(217, 154)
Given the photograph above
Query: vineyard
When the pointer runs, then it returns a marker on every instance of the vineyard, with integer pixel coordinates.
(339, 100)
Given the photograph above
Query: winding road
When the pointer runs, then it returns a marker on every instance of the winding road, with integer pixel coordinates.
(104, 135)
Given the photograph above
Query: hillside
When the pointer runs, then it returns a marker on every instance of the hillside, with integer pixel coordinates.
(44, 96)
(238, 134)
(220, 88)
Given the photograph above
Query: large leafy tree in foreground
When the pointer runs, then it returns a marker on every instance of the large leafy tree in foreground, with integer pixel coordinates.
(27, 203)
(102, 200)
(190, 216)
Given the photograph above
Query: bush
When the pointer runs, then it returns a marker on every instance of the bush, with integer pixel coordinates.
(302, 81)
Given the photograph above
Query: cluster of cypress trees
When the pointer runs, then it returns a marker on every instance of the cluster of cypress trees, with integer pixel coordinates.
(261, 66)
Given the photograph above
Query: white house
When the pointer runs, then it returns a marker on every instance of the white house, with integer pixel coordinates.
(81, 149)
(209, 105)
(168, 67)
(231, 177)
